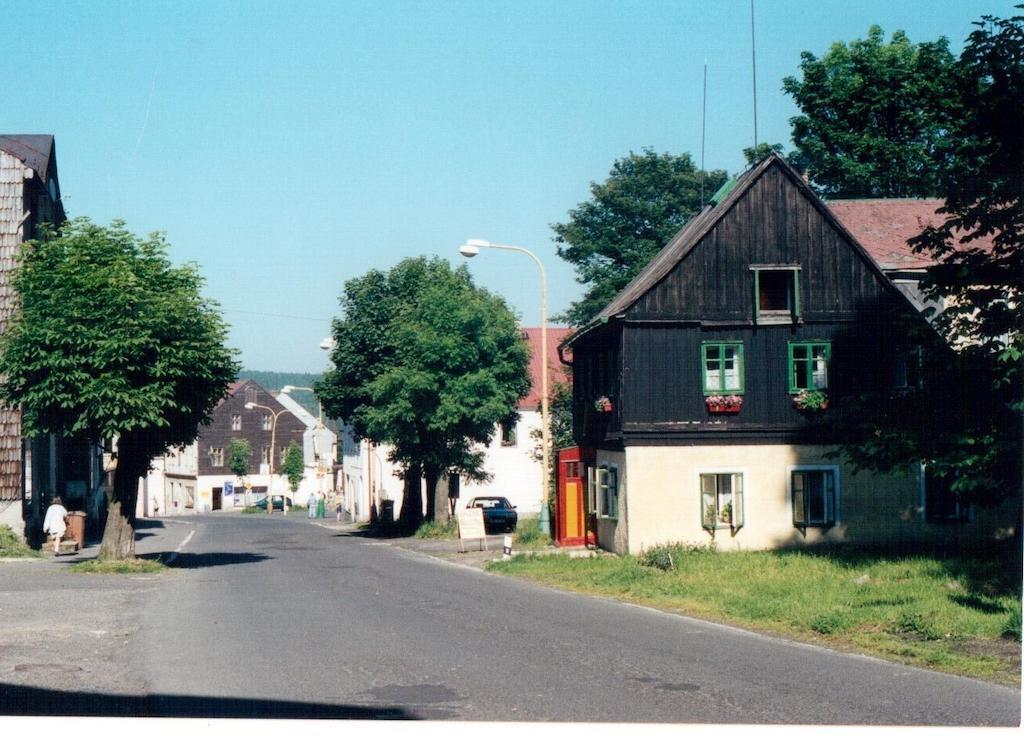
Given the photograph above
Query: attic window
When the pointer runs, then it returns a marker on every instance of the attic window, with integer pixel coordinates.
(776, 293)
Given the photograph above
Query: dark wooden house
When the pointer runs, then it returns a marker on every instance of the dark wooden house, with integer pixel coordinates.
(231, 419)
(708, 386)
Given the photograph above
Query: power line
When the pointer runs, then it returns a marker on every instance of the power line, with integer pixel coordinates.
(279, 316)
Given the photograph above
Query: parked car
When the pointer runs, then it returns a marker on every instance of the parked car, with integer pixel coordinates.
(277, 501)
(499, 514)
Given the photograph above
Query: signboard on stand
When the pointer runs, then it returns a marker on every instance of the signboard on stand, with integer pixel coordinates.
(471, 527)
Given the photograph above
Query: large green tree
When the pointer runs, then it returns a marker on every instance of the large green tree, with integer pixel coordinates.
(646, 199)
(967, 425)
(428, 363)
(113, 342)
(874, 115)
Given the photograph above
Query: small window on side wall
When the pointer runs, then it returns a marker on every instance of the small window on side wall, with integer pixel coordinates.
(607, 491)
(776, 294)
(941, 503)
(814, 494)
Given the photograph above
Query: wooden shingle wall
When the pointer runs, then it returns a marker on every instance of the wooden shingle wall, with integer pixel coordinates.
(12, 202)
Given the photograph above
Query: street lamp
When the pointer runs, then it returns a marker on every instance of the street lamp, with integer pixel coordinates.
(273, 441)
(472, 248)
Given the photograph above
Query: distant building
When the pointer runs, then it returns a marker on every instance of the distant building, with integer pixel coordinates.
(231, 419)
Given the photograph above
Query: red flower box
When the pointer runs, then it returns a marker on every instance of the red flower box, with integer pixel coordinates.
(724, 404)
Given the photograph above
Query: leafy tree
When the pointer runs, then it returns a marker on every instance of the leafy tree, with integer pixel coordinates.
(873, 116)
(753, 155)
(239, 455)
(293, 467)
(967, 425)
(982, 284)
(646, 199)
(112, 341)
(560, 413)
(428, 363)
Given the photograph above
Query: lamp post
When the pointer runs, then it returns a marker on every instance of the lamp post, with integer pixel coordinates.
(472, 248)
(270, 461)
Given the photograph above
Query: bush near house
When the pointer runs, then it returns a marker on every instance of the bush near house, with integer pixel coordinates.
(955, 614)
(11, 547)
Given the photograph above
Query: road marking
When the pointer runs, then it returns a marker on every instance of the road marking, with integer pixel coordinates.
(174, 554)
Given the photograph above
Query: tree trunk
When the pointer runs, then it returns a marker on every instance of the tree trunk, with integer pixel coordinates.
(432, 487)
(412, 501)
(119, 534)
(442, 512)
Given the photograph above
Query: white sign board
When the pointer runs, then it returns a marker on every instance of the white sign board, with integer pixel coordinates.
(471, 525)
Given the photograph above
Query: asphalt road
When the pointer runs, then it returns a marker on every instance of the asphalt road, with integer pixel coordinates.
(268, 616)
(275, 617)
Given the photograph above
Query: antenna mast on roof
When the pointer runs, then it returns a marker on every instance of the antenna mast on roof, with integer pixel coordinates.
(703, 128)
(753, 67)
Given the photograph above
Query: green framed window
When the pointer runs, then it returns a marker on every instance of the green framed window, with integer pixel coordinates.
(815, 494)
(721, 501)
(776, 293)
(722, 367)
(809, 366)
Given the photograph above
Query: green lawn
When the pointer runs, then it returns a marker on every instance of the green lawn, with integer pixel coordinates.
(960, 615)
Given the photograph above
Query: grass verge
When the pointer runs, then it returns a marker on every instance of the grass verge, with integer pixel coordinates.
(11, 547)
(130, 566)
(959, 615)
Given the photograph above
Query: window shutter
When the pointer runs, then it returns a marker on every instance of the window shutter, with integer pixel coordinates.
(613, 492)
(707, 501)
(799, 516)
(737, 501)
(592, 490)
(829, 485)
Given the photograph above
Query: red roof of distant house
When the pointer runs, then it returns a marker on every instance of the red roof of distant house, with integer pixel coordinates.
(883, 226)
(556, 371)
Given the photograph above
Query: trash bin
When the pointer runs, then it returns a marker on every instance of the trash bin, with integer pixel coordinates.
(387, 512)
(76, 528)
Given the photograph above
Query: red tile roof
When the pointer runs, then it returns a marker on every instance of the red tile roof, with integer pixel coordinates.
(556, 371)
(883, 226)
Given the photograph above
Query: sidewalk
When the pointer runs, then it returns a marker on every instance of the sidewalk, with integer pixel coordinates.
(448, 550)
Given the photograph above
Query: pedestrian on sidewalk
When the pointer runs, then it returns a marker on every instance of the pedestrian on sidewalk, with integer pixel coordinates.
(55, 522)
(340, 508)
(311, 503)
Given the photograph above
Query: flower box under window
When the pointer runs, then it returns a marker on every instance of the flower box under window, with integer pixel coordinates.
(724, 404)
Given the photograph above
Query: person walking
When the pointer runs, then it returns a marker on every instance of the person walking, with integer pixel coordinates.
(311, 503)
(55, 522)
(340, 507)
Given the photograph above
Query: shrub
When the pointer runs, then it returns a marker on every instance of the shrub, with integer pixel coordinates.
(437, 530)
(829, 623)
(668, 556)
(528, 532)
(659, 557)
(1012, 627)
(11, 547)
(919, 624)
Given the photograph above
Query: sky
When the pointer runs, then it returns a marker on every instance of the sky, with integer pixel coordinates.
(288, 147)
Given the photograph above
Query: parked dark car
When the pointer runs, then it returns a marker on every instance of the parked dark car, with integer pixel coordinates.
(277, 501)
(499, 515)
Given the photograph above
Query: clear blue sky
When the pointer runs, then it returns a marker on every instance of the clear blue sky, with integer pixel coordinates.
(288, 147)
